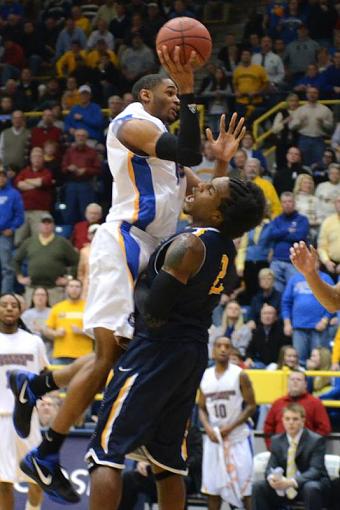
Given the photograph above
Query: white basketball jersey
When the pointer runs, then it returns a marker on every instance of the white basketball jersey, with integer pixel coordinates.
(147, 192)
(224, 399)
(23, 351)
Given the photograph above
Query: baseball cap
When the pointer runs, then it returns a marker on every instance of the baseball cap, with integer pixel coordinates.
(46, 217)
(85, 88)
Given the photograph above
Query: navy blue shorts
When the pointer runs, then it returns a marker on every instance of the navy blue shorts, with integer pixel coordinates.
(147, 404)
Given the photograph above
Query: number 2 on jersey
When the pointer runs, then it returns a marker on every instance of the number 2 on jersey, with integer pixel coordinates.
(217, 287)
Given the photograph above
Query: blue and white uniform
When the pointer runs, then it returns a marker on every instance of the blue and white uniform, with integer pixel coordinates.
(147, 198)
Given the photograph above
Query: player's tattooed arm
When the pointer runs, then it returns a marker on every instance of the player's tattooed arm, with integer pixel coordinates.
(184, 257)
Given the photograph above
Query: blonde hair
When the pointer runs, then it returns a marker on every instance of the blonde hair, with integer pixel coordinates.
(299, 180)
(325, 364)
(225, 323)
(266, 272)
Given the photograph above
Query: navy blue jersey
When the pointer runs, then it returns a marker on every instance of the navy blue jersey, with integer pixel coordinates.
(190, 318)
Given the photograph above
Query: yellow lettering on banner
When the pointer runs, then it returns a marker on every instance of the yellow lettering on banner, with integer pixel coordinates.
(217, 287)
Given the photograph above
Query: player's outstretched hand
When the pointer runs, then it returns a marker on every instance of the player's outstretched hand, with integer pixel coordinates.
(182, 74)
(227, 142)
(303, 259)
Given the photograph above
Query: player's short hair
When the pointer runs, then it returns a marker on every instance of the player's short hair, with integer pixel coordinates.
(243, 210)
(149, 82)
(295, 408)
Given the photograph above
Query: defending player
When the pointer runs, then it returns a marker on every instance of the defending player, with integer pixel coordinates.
(149, 400)
(18, 348)
(226, 403)
(149, 187)
(304, 260)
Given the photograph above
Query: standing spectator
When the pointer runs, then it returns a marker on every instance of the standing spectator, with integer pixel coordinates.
(329, 241)
(226, 403)
(284, 136)
(83, 272)
(316, 415)
(300, 53)
(107, 11)
(71, 94)
(286, 229)
(301, 455)
(27, 91)
(136, 60)
(327, 192)
(290, 22)
(331, 78)
(247, 144)
(11, 218)
(250, 84)
(69, 34)
(271, 62)
(80, 21)
(93, 216)
(80, 164)
(320, 168)
(50, 258)
(101, 33)
(252, 173)
(69, 61)
(64, 326)
(322, 18)
(312, 121)
(266, 295)
(305, 319)
(14, 142)
(36, 185)
(312, 78)
(36, 316)
(307, 203)
(85, 116)
(120, 25)
(46, 130)
(229, 54)
(267, 339)
(285, 176)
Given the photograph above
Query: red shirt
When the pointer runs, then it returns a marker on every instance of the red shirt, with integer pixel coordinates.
(14, 56)
(316, 416)
(79, 235)
(37, 199)
(40, 135)
(83, 158)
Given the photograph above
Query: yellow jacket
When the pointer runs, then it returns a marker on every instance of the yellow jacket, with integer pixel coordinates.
(270, 195)
(68, 61)
(93, 58)
(329, 239)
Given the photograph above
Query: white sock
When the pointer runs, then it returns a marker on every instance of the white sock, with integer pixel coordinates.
(32, 507)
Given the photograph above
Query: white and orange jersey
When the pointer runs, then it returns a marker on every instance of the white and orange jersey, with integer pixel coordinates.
(147, 192)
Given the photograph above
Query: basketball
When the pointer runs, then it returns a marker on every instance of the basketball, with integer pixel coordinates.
(190, 35)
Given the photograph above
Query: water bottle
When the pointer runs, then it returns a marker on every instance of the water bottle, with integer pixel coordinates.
(278, 473)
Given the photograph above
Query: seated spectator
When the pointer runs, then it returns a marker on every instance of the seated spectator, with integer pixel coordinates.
(11, 7)
(93, 216)
(71, 94)
(137, 26)
(36, 185)
(247, 144)
(12, 61)
(101, 48)
(327, 192)
(292, 19)
(300, 53)
(305, 319)
(34, 50)
(51, 151)
(46, 130)
(307, 203)
(336, 352)
(115, 105)
(312, 78)
(27, 91)
(49, 94)
(120, 25)
(252, 173)
(136, 60)
(101, 32)
(228, 55)
(323, 59)
(252, 257)
(288, 360)
(312, 121)
(206, 168)
(69, 34)
(180, 9)
(300, 453)
(320, 359)
(106, 11)
(254, 23)
(271, 62)
(84, 257)
(316, 415)
(285, 176)
(250, 84)
(47, 407)
(85, 116)
(36, 316)
(331, 79)
(14, 142)
(155, 20)
(49, 34)
(236, 168)
(284, 137)
(50, 259)
(287, 228)
(232, 326)
(80, 20)
(329, 241)
(11, 218)
(267, 339)
(320, 168)
(64, 326)
(6, 111)
(266, 295)
(322, 18)
(216, 92)
(68, 61)
(80, 164)
(253, 43)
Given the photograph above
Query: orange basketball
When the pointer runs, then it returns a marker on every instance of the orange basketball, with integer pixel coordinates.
(187, 33)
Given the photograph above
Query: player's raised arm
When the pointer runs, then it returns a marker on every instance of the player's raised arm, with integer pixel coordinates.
(305, 260)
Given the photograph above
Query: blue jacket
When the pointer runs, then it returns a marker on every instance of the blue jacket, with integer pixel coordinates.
(260, 250)
(330, 78)
(92, 121)
(285, 230)
(299, 304)
(11, 208)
